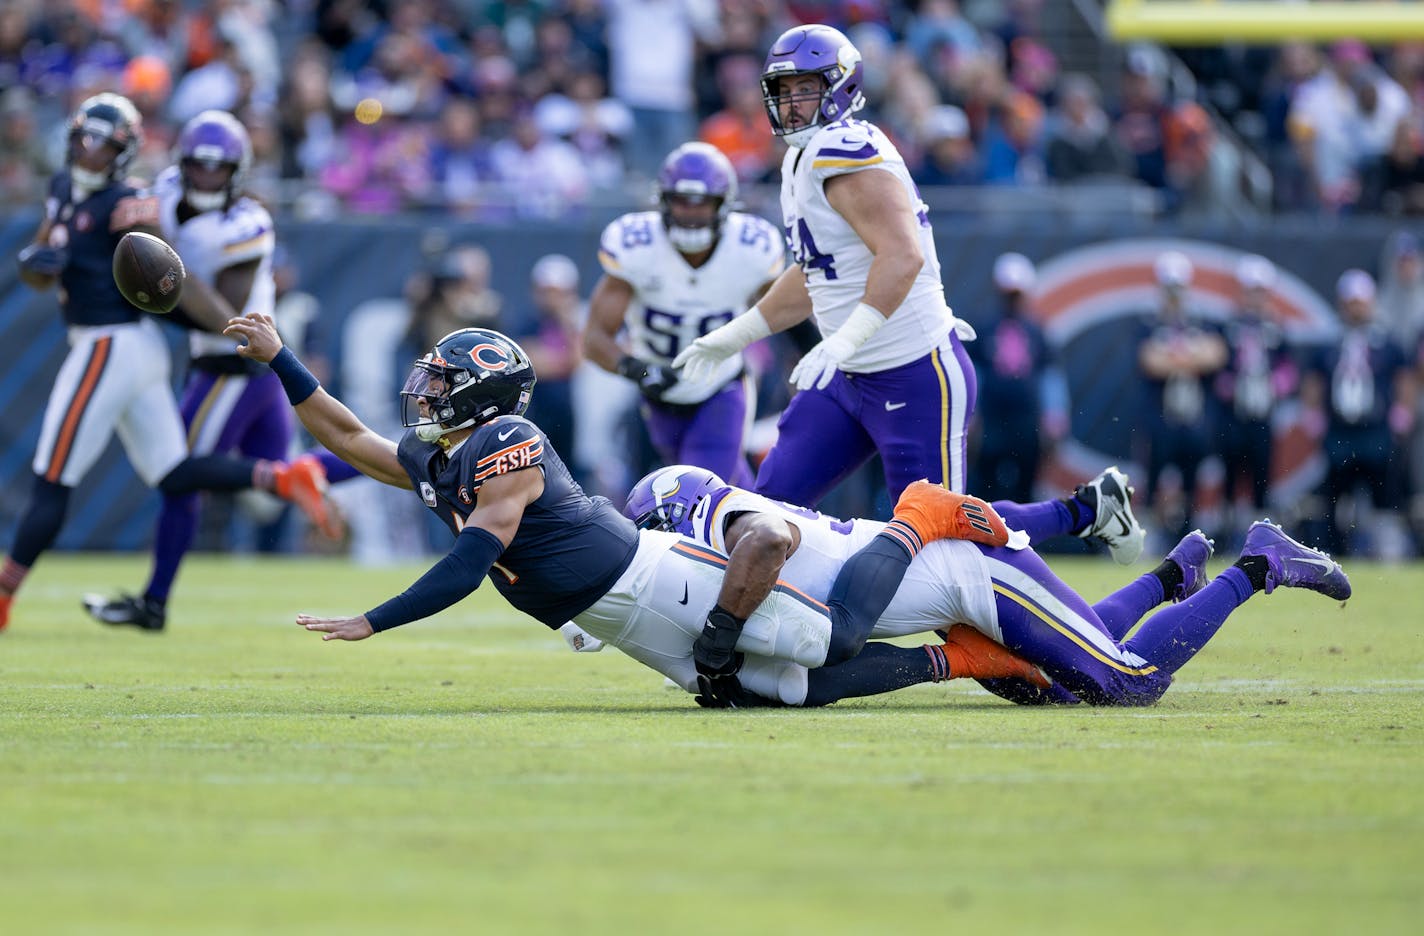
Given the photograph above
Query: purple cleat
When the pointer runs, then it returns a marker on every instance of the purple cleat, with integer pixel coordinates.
(1293, 564)
(1191, 555)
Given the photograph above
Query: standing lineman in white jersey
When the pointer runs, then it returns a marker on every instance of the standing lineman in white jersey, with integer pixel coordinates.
(671, 276)
(890, 374)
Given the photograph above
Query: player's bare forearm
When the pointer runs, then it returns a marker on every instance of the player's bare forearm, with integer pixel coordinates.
(761, 544)
(786, 301)
(606, 309)
(351, 440)
(889, 279)
(323, 415)
(205, 305)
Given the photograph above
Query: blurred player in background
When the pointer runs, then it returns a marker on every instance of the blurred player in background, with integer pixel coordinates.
(115, 377)
(229, 404)
(670, 277)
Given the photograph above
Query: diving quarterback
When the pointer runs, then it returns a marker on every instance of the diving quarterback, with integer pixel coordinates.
(229, 403)
(115, 376)
(669, 277)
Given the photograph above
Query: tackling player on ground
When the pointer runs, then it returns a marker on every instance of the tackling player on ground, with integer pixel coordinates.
(1002, 590)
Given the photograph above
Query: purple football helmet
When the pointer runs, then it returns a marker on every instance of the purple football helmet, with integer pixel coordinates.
(212, 140)
(665, 499)
(813, 50)
(696, 172)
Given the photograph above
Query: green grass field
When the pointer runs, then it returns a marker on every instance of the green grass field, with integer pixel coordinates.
(470, 774)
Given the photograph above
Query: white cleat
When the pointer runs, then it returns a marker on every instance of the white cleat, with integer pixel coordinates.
(1110, 496)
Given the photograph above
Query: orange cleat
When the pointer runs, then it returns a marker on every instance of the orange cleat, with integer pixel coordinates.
(937, 513)
(5, 601)
(974, 655)
(303, 482)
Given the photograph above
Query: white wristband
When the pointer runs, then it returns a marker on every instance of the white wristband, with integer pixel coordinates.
(741, 331)
(864, 322)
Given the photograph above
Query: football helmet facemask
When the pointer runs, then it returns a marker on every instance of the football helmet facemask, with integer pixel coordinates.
(104, 121)
(696, 173)
(468, 378)
(213, 140)
(813, 50)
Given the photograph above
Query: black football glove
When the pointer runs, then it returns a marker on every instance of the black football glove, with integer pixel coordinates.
(722, 692)
(653, 380)
(714, 652)
(44, 261)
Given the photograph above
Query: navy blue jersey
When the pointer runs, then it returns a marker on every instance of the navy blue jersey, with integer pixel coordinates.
(91, 230)
(569, 549)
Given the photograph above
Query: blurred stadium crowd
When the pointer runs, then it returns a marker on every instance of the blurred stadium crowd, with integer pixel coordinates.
(534, 107)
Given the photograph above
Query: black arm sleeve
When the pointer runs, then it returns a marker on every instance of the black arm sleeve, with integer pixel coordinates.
(449, 580)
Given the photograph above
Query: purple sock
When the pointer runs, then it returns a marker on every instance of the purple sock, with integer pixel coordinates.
(177, 525)
(336, 469)
(1173, 635)
(1126, 606)
(1042, 520)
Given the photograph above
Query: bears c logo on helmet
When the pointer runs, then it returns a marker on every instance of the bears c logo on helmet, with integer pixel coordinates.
(490, 356)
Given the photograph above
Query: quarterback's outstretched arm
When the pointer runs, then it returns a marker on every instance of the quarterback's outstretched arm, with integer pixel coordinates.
(486, 534)
(326, 417)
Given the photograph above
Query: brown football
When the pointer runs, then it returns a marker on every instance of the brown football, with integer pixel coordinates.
(148, 272)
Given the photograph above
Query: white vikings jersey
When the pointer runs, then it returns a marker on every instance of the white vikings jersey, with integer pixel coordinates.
(835, 259)
(213, 241)
(673, 304)
(946, 583)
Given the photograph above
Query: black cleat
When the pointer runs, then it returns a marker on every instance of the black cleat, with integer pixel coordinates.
(143, 613)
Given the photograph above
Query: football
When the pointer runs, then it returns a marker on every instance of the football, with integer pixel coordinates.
(148, 272)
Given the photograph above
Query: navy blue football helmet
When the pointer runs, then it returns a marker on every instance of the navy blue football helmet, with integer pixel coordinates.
(470, 377)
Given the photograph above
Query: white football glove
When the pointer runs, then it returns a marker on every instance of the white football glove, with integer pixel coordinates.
(701, 359)
(819, 365)
(579, 640)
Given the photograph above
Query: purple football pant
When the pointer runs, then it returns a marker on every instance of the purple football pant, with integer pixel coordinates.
(916, 416)
(1049, 624)
(223, 413)
(709, 435)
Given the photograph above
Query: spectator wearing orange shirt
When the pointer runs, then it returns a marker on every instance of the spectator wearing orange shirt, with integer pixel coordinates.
(739, 129)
